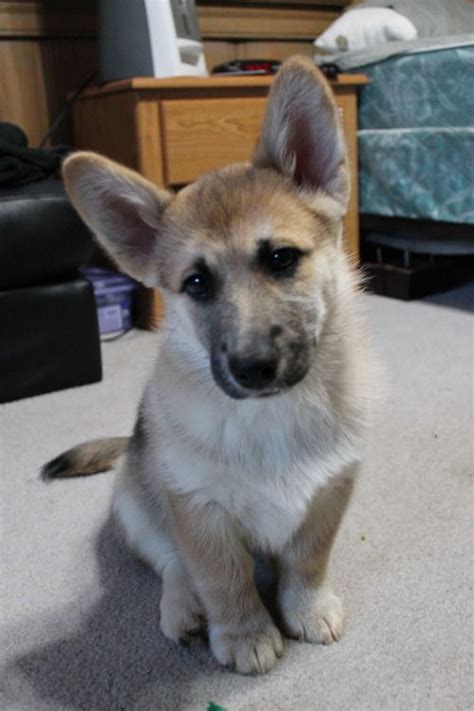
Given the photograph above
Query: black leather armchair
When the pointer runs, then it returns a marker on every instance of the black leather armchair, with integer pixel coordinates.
(49, 338)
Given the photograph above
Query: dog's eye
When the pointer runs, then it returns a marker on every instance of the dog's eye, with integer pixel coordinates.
(283, 259)
(197, 286)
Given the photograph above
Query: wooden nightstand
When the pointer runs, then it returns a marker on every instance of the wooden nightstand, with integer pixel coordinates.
(173, 130)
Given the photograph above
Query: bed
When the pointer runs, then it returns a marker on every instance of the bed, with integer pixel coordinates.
(416, 145)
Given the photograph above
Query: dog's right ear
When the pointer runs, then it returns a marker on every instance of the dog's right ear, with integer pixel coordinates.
(302, 136)
(121, 208)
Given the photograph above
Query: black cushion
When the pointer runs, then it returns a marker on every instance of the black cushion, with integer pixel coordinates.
(41, 236)
(50, 339)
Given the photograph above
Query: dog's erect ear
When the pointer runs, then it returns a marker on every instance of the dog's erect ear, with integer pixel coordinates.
(302, 135)
(121, 208)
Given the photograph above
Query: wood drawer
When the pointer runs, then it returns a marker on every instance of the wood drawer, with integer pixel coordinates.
(201, 135)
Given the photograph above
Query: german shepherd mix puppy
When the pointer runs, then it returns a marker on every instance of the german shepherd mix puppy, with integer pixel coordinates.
(250, 429)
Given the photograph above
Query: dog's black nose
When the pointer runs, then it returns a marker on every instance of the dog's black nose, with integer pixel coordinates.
(253, 373)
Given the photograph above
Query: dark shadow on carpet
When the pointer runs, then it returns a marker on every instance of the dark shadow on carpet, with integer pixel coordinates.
(462, 297)
(119, 649)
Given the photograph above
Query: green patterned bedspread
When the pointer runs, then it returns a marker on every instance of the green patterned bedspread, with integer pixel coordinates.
(420, 173)
(416, 137)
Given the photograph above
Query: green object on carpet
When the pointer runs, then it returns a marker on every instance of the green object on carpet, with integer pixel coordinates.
(215, 707)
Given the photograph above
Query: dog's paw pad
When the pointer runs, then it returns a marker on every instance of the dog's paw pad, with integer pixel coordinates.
(318, 617)
(248, 652)
(195, 635)
(182, 620)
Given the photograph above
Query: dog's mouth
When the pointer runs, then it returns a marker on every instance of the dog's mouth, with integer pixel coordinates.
(237, 392)
(225, 380)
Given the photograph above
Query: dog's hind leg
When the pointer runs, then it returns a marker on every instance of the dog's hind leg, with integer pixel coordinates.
(182, 614)
(309, 609)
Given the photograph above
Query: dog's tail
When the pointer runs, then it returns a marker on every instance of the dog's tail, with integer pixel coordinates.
(92, 457)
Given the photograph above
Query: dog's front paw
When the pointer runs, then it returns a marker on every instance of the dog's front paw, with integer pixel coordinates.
(252, 649)
(182, 616)
(312, 615)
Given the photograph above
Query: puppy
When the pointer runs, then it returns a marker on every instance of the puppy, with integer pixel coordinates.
(249, 432)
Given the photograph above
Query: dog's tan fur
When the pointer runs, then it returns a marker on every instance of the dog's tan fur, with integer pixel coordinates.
(98, 455)
(208, 478)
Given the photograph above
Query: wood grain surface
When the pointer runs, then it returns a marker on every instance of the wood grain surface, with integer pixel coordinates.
(201, 135)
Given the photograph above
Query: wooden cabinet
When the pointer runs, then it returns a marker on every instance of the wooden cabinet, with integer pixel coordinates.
(173, 130)
(204, 134)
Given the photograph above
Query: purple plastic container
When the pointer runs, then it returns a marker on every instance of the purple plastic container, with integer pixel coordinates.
(114, 298)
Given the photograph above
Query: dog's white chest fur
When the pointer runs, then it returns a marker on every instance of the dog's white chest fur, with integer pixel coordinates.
(268, 505)
(262, 462)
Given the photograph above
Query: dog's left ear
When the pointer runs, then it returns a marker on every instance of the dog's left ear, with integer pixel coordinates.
(302, 135)
(122, 209)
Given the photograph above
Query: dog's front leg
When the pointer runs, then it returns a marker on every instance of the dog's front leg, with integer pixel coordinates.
(309, 608)
(241, 631)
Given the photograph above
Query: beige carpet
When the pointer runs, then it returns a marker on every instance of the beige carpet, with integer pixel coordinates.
(80, 617)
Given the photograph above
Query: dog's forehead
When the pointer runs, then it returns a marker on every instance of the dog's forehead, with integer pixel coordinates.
(240, 205)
